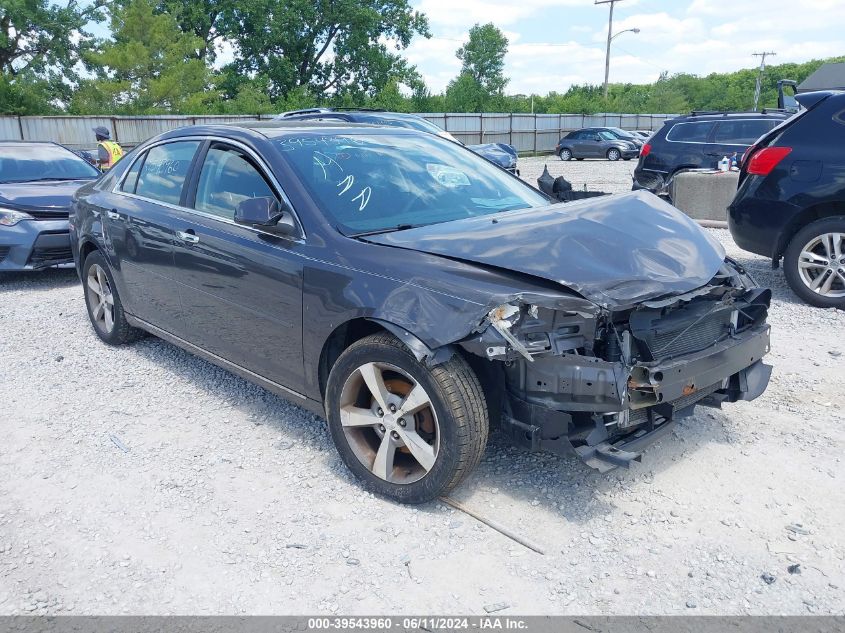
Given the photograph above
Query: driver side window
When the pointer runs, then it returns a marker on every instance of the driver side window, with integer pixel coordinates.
(227, 178)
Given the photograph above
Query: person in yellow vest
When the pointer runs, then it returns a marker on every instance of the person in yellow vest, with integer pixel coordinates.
(108, 152)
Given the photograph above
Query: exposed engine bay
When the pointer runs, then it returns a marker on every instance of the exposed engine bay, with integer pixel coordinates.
(606, 381)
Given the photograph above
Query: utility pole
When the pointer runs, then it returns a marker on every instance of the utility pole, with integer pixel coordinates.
(762, 69)
(609, 37)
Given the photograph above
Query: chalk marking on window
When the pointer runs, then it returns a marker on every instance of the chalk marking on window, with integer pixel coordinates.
(348, 181)
(365, 194)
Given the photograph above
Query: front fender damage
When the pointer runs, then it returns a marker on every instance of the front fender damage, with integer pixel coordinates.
(564, 374)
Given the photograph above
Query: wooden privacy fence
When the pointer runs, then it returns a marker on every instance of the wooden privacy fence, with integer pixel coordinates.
(526, 132)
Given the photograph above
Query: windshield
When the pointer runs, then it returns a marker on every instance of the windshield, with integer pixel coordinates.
(370, 183)
(607, 136)
(620, 133)
(27, 163)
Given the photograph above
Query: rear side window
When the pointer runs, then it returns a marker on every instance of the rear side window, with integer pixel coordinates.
(165, 168)
(131, 180)
(693, 132)
(741, 132)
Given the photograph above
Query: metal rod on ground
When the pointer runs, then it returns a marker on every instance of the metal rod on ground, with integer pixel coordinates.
(493, 524)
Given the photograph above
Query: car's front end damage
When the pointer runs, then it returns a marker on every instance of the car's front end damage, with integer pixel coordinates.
(634, 316)
(605, 383)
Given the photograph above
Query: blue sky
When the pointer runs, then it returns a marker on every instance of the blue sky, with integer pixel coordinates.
(557, 43)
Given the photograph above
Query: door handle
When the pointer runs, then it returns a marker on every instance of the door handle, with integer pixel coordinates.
(188, 236)
(113, 214)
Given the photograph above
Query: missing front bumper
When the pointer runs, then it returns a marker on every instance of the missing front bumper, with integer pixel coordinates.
(729, 371)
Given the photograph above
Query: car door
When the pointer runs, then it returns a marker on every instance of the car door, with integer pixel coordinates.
(579, 149)
(593, 145)
(139, 224)
(241, 288)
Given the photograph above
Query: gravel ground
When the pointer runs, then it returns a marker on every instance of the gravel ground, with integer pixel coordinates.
(596, 174)
(143, 480)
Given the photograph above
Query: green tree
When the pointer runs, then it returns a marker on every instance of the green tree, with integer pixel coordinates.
(330, 47)
(203, 19)
(40, 43)
(483, 57)
(148, 67)
(466, 94)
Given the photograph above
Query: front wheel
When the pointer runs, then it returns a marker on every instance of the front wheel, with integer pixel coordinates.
(814, 263)
(613, 154)
(565, 154)
(407, 431)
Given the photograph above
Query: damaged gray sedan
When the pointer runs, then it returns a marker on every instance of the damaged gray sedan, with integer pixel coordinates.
(416, 295)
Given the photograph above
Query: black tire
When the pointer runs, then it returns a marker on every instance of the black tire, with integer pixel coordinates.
(792, 270)
(613, 154)
(565, 154)
(456, 399)
(120, 333)
(579, 159)
(626, 159)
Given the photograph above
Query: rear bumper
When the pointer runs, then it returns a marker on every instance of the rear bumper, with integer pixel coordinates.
(34, 244)
(646, 401)
(760, 225)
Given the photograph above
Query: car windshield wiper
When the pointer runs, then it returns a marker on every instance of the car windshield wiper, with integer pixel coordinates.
(50, 179)
(391, 229)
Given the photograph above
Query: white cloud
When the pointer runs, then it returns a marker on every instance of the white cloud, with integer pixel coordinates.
(555, 43)
(502, 12)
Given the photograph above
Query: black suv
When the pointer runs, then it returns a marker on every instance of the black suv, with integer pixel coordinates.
(791, 199)
(698, 141)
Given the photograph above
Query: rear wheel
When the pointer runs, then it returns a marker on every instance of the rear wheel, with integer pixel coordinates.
(613, 154)
(566, 154)
(104, 307)
(814, 263)
(407, 431)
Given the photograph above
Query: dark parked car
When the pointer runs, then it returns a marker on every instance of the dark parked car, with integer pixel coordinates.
(413, 293)
(501, 154)
(699, 141)
(37, 182)
(791, 199)
(595, 143)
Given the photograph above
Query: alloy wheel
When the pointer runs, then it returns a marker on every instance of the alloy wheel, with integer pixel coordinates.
(821, 265)
(390, 423)
(613, 154)
(100, 298)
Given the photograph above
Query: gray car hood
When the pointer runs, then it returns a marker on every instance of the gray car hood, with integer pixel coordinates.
(615, 251)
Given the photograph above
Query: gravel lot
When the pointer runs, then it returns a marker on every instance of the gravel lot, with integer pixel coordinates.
(144, 480)
(597, 175)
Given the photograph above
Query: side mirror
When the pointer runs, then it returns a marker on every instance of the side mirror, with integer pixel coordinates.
(265, 214)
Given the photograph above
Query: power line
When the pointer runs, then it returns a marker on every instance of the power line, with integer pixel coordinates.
(760, 72)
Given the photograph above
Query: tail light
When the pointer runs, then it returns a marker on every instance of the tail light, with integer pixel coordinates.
(645, 150)
(762, 162)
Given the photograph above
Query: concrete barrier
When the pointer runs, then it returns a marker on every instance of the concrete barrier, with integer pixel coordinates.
(704, 195)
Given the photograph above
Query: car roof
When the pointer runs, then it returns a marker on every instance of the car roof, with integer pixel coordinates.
(275, 128)
(12, 143)
(713, 115)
